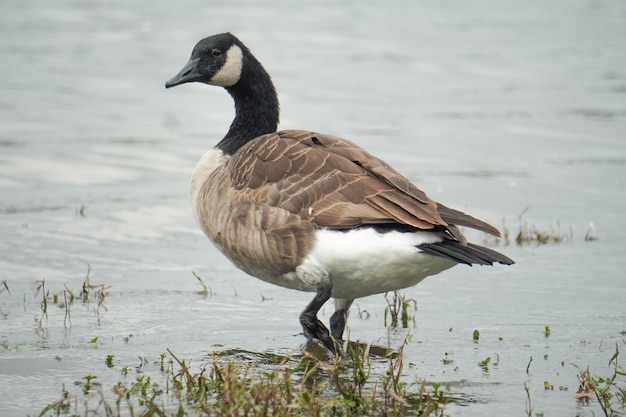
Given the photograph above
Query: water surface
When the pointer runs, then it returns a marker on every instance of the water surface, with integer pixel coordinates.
(490, 107)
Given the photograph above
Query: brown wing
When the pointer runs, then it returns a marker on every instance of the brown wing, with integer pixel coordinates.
(335, 184)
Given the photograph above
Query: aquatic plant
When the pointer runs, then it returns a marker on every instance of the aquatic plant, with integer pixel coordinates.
(609, 391)
(476, 335)
(90, 293)
(345, 385)
(399, 310)
(4, 286)
(529, 233)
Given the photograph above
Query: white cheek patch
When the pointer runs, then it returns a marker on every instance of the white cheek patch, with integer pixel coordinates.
(230, 72)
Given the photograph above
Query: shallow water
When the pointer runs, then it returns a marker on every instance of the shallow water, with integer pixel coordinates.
(490, 107)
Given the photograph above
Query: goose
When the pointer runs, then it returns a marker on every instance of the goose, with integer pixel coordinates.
(311, 211)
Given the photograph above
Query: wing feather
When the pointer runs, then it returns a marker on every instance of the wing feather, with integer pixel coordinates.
(335, 184)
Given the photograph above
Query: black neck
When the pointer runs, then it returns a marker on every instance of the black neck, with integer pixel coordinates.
(256, 107)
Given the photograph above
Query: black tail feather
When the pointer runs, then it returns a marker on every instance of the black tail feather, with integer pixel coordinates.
(469, 254)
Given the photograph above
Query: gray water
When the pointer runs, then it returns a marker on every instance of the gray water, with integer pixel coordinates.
(489, 106)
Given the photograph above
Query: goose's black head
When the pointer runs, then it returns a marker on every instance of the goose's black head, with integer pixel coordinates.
(223, 60)
(216, 60)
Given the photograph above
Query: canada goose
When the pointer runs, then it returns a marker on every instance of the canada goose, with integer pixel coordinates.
(310, 211)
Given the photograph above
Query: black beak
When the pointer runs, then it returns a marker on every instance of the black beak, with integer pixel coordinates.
(188, 74)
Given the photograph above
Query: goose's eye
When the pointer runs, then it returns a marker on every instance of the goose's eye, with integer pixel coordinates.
(216, 52)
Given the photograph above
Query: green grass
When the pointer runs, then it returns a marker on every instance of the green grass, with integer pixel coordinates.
(90, 294)
(226, 385)
(365, 380)
(399, 310)
(609, 391)
(529, 233)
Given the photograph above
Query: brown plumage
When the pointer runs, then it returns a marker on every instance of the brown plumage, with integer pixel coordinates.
(335, 184)
(311, 211)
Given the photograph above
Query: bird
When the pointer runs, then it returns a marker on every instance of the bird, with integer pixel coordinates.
(311, 211)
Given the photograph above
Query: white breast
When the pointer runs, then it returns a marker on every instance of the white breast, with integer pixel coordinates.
(205, 166)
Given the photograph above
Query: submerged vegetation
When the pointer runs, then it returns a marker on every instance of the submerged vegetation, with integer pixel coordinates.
(528, 233)
(399, 310)
(89, 293)
(364, 380)
(609, 391)
(240, 383)
(250, 386)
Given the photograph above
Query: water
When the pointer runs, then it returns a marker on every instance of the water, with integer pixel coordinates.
(490, 107)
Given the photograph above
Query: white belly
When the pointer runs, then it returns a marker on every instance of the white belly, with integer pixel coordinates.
(363, 262)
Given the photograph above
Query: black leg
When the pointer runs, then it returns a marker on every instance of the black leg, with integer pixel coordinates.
(339, 318)
(338, 323)
(311, 325)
